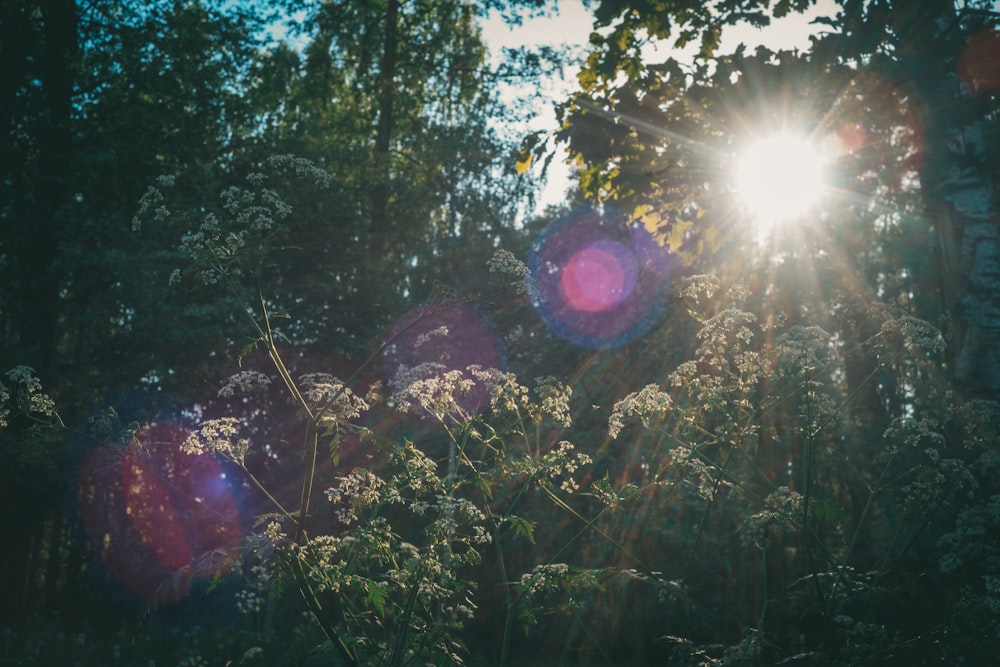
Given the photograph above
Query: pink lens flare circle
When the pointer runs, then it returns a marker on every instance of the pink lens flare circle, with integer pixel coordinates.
(598, 277)
(157, 517)
(598, 281)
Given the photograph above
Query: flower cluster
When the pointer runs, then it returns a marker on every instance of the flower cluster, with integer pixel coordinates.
(302, 168)
(25, 395)
(917, 335)
(803, 350)
(428, 336)
(246, 383)
(506, 393)
(553, 400)
(944, 478)
(357, 491)
(152, 202)
(418, 471)
(544, 577)
(218, 436)
(563, 462)
(452, 511)
(645, 404)
(698, 289)
(781, 514)
(431, 388)
(729, 326)
(504, 261)
(332, 397)
(564, 587)
(251, 600)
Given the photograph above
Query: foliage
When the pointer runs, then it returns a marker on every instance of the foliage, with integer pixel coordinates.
(794, 466)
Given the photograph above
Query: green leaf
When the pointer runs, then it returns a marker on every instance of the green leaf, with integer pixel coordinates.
(523, 527)
(375, 596)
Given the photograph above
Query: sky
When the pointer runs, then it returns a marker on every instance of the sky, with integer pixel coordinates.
(571, 26)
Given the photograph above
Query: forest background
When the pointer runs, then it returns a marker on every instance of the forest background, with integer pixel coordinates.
(295, 371)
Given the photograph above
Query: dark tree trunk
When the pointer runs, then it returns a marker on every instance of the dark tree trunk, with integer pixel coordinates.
(383, 133)
(959, 198)
(39, 233)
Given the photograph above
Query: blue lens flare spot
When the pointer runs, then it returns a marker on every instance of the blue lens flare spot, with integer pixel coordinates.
(595, 286)
(157, 517)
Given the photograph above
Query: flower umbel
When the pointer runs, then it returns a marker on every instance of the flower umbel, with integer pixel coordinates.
(218, 436)
(645, 404)
(329, 394)
(246, 383)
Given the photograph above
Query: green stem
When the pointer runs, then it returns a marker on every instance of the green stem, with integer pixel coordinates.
(260, 487)
(316, 609)
(704, 514)
(308, 475)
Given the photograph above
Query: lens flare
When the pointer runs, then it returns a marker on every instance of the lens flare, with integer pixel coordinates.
(157, 517)
(598, 277)
(594, 287)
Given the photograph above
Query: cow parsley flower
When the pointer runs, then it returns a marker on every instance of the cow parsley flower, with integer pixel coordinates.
(504, 261)
(645, 404)
(329, 394)
(218, 436)
(247, 383)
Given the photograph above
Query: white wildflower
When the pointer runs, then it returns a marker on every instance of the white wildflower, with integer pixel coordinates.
(247, 383)
(781, 514)
(544, 577)
(218, 436)
(698, 288)
(357, 491)
(428, 336)
(804, 349)
(917, 334)
(27, 393)
(563, 462)
(432, 388)
(504, 261)
(327, 393)
(505, 391)
(554, 398)
(645, 404)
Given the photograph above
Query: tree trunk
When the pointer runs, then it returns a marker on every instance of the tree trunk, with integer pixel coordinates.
(383, 133)
(39, 233)
(969, 232)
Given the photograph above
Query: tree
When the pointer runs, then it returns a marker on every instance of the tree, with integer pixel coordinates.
(394, 100)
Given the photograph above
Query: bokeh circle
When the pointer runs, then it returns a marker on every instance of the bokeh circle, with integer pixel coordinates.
(599, 282)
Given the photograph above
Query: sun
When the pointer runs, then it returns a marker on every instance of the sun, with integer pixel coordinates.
(778, 178)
